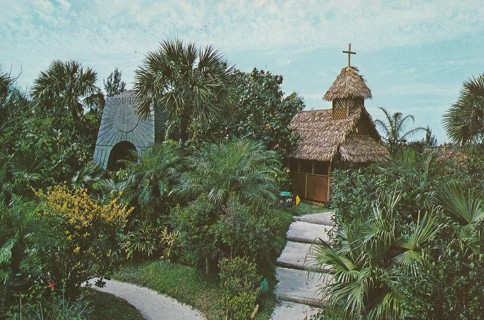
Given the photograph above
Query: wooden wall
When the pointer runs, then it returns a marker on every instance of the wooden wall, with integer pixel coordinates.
(310, 186)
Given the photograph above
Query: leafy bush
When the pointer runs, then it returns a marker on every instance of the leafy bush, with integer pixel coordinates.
(239, 280)
(445, 284)
(371, 250)
(231, 191)
(147, 183)
(147, 240)
(88, 235)
(45, 302)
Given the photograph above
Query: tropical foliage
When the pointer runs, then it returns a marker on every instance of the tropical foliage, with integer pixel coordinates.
(230, 188)
(67, 89)
(464, 121)
(240, 167)
(187, 82)
(365, 266)
(262, 114)
(417, 257)
(88, 236)
(113, 84)
(393, 128)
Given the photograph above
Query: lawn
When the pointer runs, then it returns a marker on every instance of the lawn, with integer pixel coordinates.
(190, 286)
(185, 284)
(308, 207)
(105, 306)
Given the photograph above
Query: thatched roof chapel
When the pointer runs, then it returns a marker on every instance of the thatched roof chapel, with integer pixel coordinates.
(345, 132)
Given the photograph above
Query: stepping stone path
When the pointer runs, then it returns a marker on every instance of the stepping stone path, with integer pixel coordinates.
(298, 281)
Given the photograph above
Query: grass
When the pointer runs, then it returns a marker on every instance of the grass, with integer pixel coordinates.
(185, 284)
(190, 286)
(307, 208)
(105, 306)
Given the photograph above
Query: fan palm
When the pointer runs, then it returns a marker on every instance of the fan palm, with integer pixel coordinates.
(363, 264)
(87, 175)
(394, 126)
(186, 81)
(464, 121)
(67, 87)
(466, 209)
(241, 167)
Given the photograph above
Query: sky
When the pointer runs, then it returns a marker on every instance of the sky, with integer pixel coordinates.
(413, 54)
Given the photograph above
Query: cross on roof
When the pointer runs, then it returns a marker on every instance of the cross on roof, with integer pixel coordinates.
(349, 52)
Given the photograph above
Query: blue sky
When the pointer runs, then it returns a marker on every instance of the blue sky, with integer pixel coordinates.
(414, 55)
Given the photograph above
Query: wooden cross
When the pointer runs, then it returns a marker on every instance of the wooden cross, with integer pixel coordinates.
(349, 52)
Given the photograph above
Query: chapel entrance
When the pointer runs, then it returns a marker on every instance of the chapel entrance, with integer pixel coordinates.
(121, 152)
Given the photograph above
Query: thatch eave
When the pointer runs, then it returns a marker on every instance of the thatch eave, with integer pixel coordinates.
(362, 149)
(320, 135)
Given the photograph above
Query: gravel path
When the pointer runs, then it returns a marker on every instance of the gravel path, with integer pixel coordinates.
(151, 304)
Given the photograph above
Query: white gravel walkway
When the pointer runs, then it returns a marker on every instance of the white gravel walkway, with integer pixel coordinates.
(151, 304)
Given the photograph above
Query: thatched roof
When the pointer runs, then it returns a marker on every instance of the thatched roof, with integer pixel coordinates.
(362, 148)
(348, 84)
(354, 139)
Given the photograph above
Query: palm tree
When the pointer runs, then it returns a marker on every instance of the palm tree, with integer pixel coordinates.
(393, 128)
(67, 87)
(150, 181)
(363, 265)
(466, 209)
(464, 121)
(241, 167)
(189, 83)
(19, 218)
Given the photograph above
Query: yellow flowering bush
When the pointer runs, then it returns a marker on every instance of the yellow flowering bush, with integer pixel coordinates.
(88, 235)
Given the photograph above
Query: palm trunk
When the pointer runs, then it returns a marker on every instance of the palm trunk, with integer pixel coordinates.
(207, 266)
(183, 130)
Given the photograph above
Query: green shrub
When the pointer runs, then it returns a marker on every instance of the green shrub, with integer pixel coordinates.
(239, 281)
(44, 302)
(147, 240)
(446, 284)
(87, 242)
(353, 191)
(208, 233)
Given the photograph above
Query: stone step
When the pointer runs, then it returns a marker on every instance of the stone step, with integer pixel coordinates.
(297, 255)
(300, 286)
(286, 310)
(324, 218)
(301, 231)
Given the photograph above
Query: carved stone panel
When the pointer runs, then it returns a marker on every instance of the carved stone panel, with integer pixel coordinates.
(120, 123)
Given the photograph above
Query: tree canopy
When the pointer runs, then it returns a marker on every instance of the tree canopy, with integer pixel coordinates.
(393, 128)
(114, 85)
(464, 121)
(186, 81)
(65, 87)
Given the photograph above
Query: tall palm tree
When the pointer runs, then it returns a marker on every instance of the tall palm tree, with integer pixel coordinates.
(188, 82)
(394, 126)
(464, 121)
(67, 87)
